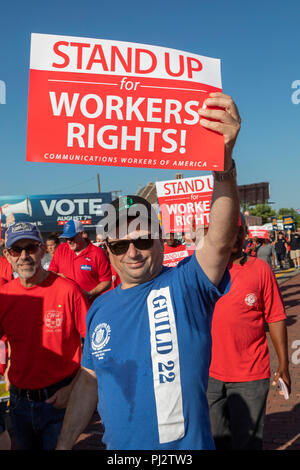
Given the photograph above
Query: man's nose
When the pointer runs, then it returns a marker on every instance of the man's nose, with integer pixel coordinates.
(24, 253)
(132, 251)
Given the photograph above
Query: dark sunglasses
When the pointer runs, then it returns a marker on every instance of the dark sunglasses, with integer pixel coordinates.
(121, 247)
(31, 248)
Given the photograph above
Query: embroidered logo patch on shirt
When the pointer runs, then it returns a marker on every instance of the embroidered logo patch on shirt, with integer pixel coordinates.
(53, 319)
(250, 299)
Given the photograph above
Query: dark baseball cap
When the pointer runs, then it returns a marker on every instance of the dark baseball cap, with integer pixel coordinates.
(131, 208)
(21, 231)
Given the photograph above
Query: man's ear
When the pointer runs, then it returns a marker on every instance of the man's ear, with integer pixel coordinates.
(44, 249)
(7, 255)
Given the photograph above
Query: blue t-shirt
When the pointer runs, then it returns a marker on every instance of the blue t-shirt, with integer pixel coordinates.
(150, 347)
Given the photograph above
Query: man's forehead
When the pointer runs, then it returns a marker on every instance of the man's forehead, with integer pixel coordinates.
(133, 234)
(24, 242)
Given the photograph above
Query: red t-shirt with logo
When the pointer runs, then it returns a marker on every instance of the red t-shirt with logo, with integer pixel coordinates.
(43, 325)
(6, 271)
(87, 269)
(174, 254)
(239, 343)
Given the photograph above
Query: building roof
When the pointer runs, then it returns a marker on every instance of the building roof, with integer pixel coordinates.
(148, 192)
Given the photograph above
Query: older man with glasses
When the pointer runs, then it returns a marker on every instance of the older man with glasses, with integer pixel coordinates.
(147, 350)
(43, 318)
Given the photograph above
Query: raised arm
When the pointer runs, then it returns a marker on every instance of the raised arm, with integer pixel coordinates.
(214, 250)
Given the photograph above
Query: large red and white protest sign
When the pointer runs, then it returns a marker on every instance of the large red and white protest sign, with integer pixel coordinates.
(184, 202)
(103, 102)
(258, 231)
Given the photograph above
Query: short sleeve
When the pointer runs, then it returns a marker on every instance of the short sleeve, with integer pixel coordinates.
(53, 266)
(86, 360)
(81, 309)
(196, 284)
(273, 305)
(103, 266)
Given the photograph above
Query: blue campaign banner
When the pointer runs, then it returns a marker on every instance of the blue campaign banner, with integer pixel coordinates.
(51, 211)
(274, 223)
(288, 222)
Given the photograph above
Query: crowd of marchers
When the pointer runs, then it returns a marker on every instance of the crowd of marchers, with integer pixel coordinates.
(172, 357)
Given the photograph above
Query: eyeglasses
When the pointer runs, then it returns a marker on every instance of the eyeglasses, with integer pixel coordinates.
(31, 248)
(121, 247)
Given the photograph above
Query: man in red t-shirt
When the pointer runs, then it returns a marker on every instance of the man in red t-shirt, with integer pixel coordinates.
(115, 278)
(174, 251)
(81, 261)
(6, 271)
(43, 318)
(239, 372)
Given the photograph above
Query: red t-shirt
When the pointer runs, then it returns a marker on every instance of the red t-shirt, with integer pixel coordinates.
(239, 343)
(174, 254)
(3, 281)
(87, 269)
(43, 325)
(6, 271)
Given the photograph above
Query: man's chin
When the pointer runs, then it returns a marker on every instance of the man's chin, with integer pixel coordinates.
(26, 273)
(72, 247)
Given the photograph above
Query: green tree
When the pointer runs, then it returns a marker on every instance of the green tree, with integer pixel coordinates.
(264, 211)
(292, 212)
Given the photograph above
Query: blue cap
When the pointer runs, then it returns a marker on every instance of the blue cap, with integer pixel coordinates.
(71, 229)
(20, 231)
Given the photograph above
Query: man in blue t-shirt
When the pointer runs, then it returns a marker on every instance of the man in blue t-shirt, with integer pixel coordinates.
(148, 343)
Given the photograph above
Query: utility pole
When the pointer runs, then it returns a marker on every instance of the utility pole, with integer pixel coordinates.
(98, 180)
(115, 192)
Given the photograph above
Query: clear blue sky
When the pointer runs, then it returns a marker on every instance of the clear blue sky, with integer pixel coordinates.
(258, 43)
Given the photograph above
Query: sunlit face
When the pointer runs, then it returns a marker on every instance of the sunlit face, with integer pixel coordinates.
(100, 239)
(170, 239)
(188, 237)
(137, 266)
(51, 246)
(76, 243)
(25, 257)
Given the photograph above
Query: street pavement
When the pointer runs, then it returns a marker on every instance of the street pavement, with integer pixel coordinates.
(282, 422)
